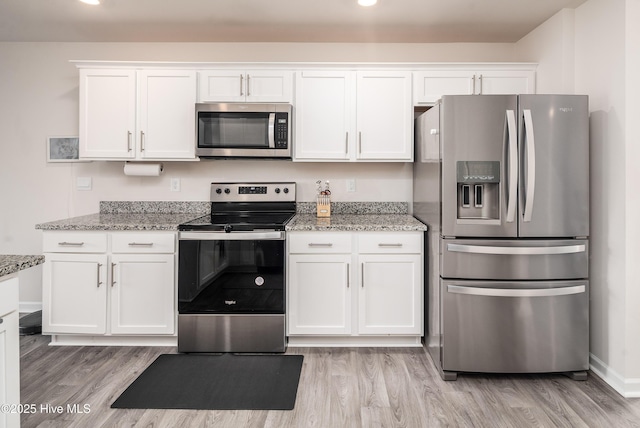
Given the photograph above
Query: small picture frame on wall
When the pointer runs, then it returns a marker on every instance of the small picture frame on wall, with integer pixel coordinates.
(63, 149)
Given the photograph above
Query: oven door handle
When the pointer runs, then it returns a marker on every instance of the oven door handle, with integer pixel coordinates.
(233, 236)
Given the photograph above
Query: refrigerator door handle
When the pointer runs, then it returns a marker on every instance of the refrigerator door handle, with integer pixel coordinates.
(531, 166)
(516, 292)
(513, 166)
(527, 251)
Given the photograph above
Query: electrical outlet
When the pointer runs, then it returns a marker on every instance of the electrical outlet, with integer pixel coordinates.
(351, 185)
(175, 184)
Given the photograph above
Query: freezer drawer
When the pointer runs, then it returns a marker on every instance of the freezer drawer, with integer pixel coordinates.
(515, 327)
(514, 259)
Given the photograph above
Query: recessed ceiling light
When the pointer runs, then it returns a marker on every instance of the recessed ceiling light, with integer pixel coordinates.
(367, 2)
(94, 2)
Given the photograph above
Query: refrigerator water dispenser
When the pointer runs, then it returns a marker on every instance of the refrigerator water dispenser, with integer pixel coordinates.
(478, 190)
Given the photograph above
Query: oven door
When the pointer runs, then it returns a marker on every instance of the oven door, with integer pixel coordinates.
(231, 273)
(243, 130)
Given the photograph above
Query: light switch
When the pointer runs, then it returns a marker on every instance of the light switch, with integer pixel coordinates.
(175, 184)
(83, 183)
(351, 185)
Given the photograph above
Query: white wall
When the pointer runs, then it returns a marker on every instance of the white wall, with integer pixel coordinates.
(594, 50)
(551, 45)
(39, 98)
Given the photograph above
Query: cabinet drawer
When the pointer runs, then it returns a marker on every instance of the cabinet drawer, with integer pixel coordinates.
(74, 242)
(143, 242)
(8, 296)
(390, 242)
(319, 242)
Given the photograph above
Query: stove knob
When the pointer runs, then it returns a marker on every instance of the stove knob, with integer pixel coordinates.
(218, 190)
(277, 190)
(227, 191)
(286, 190)
(228, 228)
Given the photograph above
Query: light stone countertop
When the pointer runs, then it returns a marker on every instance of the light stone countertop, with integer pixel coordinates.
(356, 223)
(10, 263)
(130, 221)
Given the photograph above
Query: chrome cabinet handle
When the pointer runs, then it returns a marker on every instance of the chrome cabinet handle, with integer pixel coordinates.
(128, 141)
(99, 282)
(346, 143)
(360, 142)
(113, 276)
(241, 82)
(348, 276)
(531, 166)
(140, 244)
(396, 245)
(480, 80)
(70, 244)
(473, 79)
(512, 292)
(142, 141)
(313, 244)
(362, 275)
(248, 85)
(513, 166)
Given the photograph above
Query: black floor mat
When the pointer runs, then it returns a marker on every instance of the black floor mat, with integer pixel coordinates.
(215, 382)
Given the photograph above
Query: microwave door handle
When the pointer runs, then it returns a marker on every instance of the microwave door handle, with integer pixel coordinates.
(272, 130)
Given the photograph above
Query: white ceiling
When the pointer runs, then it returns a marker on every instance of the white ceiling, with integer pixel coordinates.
(420, 21)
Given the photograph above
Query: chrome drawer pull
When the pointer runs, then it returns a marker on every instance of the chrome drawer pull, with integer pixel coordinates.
(71, 244)
(99, 282)
(398, 245)
(141, 244)
(328, 244)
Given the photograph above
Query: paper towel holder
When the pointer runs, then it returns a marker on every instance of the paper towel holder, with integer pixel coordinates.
(143, 169)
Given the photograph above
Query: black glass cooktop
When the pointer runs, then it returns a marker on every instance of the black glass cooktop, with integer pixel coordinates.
(238, 222)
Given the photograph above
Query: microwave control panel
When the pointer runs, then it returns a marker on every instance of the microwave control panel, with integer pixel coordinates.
(282, 130)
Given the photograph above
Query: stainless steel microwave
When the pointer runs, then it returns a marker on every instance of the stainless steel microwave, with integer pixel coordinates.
(237, 130)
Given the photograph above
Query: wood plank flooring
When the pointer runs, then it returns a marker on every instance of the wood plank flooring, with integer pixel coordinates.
(339, 387)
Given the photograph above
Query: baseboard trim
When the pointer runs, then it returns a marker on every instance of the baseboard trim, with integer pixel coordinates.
(628, 388)
(28, 307)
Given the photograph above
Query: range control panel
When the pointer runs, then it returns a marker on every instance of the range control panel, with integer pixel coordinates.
(253, 192)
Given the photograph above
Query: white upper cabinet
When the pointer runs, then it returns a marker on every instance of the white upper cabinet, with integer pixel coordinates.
(138, 115)
(107, 113)
(431, 85)
(245, 86)
(384, 116)
(324, 115)
(353, 116)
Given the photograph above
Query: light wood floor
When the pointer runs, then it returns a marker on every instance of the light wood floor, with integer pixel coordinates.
(339, 387)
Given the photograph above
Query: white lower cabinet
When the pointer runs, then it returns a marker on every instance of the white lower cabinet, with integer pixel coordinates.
(354, 287)
(9, 352)
(127, 289)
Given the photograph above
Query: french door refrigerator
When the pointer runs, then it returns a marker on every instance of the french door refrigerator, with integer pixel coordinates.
(512, 291)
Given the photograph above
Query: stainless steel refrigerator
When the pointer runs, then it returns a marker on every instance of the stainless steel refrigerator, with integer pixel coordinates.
(508, 253)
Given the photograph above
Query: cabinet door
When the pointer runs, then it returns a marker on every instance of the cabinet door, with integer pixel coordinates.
(74, 294)
(319, 294)
(430, 86)
(142, 294)
(9, 350)
(505, 82)
(324, 115)
(107, 113)
(269, 86)
(166, 114)
(221, 86)
(390, 294)
(384, 116)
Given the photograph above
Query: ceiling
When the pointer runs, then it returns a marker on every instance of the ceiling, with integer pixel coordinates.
(417, 21)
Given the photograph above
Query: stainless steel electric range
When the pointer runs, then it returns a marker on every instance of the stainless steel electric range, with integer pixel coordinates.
(231, 274)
